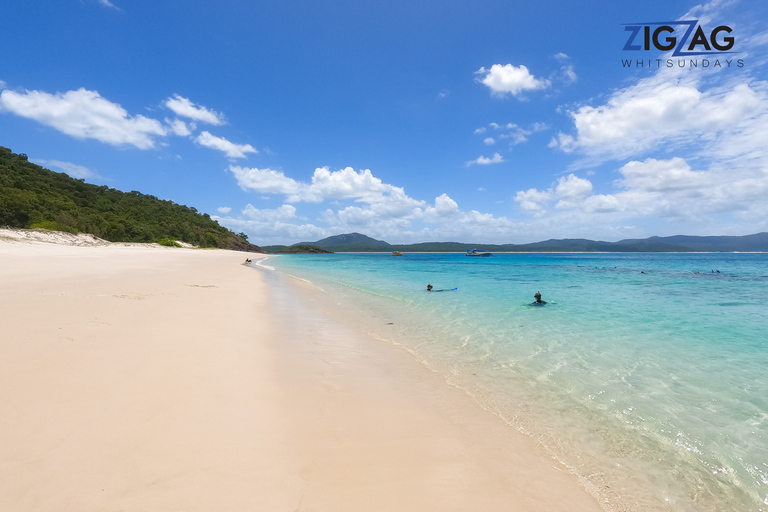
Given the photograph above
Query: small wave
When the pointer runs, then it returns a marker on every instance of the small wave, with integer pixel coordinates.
(260, 264)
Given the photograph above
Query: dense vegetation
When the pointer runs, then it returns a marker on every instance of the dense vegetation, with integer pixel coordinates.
(33, 197)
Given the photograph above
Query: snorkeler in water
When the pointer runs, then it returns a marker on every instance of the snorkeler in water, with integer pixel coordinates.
(539, 302)
(429, 287)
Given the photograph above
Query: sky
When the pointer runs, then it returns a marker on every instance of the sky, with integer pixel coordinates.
(408, 121)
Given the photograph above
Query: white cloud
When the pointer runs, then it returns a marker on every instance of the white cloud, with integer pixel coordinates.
(107, 3)
(480, 130)
(267, 181)
(73, 170)
(483, 160)
(445, 219)
(444, 207)
(284, 212)
(345, 183)
(381, 210)
(272, 226)
(509, 79)
(3, 85)
(443, 94)
(661, 192)
(84, 114)
(657, 111)
(533, 200)
(568, 74)
(661, 176)
(185, 108)
(231, 149)
(179, 127)
(569, 191)
(224, 210)
(511, 132)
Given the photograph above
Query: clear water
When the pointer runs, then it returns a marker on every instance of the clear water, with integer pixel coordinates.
(651, 387)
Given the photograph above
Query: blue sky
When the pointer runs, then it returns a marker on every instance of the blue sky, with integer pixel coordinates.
(496, 122)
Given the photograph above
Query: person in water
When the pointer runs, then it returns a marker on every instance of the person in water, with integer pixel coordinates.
(429, 287)
(537, 296)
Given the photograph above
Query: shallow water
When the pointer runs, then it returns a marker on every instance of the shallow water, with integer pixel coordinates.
(644, 373)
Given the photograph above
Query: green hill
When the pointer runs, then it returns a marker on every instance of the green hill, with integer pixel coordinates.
(350, 242)
(34, 197)
(355, 242)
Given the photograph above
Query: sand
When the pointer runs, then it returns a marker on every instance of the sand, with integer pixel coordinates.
(161, 379)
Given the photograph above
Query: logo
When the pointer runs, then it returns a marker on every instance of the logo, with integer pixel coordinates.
(685, 38)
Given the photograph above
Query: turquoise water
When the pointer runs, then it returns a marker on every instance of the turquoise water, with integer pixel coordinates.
(651, 387)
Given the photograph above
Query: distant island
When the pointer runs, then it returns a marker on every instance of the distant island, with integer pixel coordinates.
(297, 249)
(34, 197)
(356, 242)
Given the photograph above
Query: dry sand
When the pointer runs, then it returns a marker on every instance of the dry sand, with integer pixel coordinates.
(157, 379)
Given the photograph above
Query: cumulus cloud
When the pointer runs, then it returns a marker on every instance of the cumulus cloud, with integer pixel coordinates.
(509, 79)
(569, 191)
(656, 111)
(231, 149)
(379, 209)
(284, 212)
(484, 160)
(662, 191)
(73, 170)
(443, 220)
(267, 181)
(185, 108)
(272, 226)
(223, 210)
(345, 183)
(84, 114)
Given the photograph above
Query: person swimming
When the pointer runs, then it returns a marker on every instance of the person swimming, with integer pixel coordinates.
(538, 302)
(429, 287)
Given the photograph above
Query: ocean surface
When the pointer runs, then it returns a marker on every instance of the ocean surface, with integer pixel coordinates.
(645, 374)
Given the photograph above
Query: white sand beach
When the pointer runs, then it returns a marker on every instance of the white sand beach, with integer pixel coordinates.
(160, 379)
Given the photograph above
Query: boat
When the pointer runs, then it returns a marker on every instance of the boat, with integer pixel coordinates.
(479, 252)
(396, 253)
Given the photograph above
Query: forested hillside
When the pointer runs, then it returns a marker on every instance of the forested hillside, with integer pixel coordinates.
(34, 197)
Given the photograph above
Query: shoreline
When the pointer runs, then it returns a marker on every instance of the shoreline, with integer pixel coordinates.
(155, 378)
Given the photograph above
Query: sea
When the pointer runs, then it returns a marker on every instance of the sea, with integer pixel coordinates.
(645, 374)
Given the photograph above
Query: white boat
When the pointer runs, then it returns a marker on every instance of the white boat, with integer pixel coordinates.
(479, 252)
